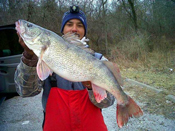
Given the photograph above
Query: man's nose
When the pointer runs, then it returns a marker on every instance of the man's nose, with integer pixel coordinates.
(74, 28)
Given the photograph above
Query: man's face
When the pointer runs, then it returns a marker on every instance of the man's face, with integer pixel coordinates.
(74, 26)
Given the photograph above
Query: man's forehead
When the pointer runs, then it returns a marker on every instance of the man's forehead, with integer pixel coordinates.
(75, 21)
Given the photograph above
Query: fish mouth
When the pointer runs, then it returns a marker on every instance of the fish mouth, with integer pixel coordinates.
(18, 27)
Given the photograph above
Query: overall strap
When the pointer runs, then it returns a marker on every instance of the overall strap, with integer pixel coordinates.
(53, 80)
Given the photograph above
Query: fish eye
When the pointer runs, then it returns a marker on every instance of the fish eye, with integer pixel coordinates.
(29, 25)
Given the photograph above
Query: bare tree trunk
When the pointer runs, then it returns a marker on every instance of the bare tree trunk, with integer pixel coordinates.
(30, 10)
(134, 17)
(132, 14)
(105, 26)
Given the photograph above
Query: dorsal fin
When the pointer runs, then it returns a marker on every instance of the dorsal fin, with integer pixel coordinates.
(72, 38)
(69, 36)
(115, 70)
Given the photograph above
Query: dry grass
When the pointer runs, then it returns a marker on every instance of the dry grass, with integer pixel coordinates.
(150, 67)
(156, 73)
(158, 80)
(137, 62)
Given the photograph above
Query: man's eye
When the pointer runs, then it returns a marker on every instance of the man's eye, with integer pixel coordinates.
(69, 24)
(80, 25)
(29, 25)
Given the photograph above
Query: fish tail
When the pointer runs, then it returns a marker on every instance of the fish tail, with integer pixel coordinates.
(125, 111)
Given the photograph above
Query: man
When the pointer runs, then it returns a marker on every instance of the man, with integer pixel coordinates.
(67, 105)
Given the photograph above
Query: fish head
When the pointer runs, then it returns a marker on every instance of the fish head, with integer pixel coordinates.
(31, 34)
(28, 31)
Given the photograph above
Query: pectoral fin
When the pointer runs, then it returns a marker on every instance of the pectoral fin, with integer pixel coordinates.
(115, 70)
(43, 70)
(99, 93)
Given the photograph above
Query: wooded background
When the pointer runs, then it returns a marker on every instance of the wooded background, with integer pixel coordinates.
(138, 31)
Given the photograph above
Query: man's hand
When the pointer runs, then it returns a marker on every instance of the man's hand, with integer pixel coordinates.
(87, 84)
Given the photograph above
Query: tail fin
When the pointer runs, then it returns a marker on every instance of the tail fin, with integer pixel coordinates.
(126, 111)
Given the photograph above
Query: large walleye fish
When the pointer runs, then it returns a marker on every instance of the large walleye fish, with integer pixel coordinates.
(71, 62)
